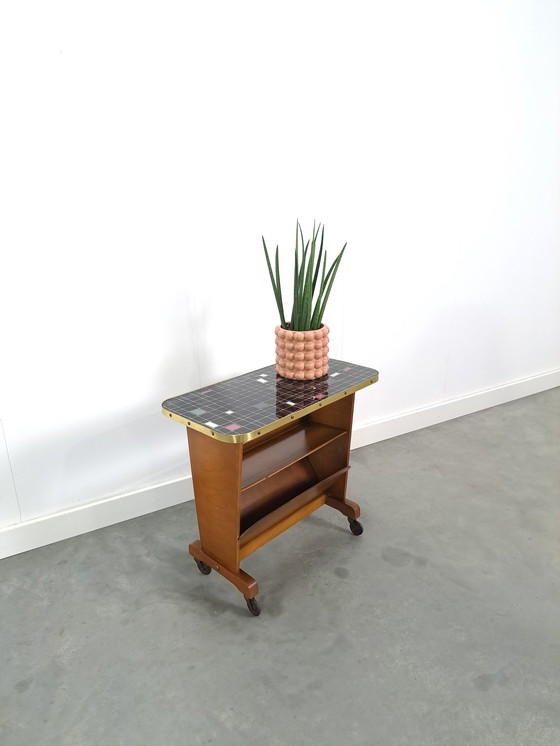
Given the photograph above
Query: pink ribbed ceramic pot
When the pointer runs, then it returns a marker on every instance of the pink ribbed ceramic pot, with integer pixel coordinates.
(302, 355)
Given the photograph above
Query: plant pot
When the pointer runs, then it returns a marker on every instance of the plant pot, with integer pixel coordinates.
(302, 356)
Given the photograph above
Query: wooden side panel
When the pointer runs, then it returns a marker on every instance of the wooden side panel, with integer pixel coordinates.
(338, 414)
(216, 472)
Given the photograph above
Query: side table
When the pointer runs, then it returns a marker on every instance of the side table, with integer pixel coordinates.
(266, 452)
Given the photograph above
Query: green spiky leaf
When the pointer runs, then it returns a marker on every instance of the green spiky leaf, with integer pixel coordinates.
(312, 282)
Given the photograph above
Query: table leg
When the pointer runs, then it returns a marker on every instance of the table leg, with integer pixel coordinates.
(241, 580)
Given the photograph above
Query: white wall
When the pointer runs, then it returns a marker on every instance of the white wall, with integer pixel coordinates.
(146, 147)
(8, 499)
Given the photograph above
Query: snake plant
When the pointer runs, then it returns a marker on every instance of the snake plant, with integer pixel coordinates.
(312, 281)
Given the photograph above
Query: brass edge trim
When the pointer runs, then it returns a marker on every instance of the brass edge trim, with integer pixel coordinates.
(246, 437)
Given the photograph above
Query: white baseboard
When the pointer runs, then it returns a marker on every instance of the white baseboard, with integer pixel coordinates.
(407, 422)
(38, 532)
(48, 529)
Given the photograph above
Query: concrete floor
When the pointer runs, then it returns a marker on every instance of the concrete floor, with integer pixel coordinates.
(440, 625)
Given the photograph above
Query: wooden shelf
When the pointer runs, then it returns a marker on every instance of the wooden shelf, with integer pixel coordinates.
(269, 494)
(272, 456)
(286, 515)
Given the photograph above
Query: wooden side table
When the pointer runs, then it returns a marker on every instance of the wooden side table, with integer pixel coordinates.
(266, 452)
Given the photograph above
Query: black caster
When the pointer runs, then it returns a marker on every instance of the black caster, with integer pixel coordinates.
(356, 527)
(253, 606)
(203, 567)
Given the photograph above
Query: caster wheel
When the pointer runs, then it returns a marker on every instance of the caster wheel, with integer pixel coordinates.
(356, 527)
(203, 567)
(253, 606)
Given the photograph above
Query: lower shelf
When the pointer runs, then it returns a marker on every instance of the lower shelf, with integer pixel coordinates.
(286, 515)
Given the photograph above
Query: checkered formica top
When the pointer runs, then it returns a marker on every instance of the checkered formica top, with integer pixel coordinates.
(241, 408)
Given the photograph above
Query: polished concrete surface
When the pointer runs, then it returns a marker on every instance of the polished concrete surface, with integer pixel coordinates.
(439, 625)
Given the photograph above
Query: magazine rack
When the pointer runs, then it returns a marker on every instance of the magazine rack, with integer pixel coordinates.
(266, 452)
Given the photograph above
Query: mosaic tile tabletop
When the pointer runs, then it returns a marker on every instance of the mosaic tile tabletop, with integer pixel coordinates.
(239, 409)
